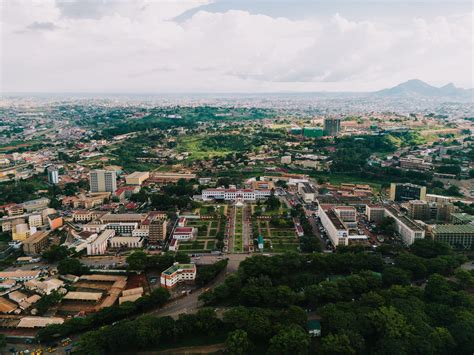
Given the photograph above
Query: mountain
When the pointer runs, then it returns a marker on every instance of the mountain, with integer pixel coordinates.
(417, 87)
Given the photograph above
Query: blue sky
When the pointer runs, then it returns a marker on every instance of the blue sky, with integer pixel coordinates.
(232, 45)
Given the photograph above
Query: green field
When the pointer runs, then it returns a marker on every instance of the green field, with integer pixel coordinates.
(194, 146)
(238, 242)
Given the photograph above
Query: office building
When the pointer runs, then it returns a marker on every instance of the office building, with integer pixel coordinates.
(103, 181)
(407, 192)
(332, 126)
(35, 220)
(459, 236)
(235, 194)
(126, 242)
(375, 213)
(21, 231)
(462, 218)
(408, 229)
(157, 231)
(178, 273)
(53, 174)
(412, 163)
(122, 228)
(35, 205)
(36, 243)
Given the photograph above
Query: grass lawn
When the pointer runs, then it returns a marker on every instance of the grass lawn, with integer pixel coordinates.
(195, 245)
(211, 245)
(193, 145)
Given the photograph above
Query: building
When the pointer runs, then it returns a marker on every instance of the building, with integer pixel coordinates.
(55, 221)
(375, 213)
(286, 159)
(36, 243)
(159, 177)
(235, 194)
(407, 192)
(408, 229)
(157, 230)
(185, 233)
(122, 228)
(103, 181)
(44, 287)
(126, 242)
(98, 244)
(332, 126)
(462, 218)
(429, 211)
(35, 220)
(348, 215)
(335, 228)
(460, 236)
(36, 205)
(21, 231)
(412, 163)
(82, 216)
(314, 328)
(123, 218)
(137, 178)
(178, 273)
(6, 306)
(313, 132)
(53, 174)
(307, 191)
(19, 275)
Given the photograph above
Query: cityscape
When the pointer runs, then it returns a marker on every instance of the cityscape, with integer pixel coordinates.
(244, 212)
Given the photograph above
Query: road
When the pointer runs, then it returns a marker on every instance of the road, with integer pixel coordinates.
(190, 303)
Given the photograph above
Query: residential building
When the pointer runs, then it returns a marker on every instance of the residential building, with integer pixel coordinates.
(44, 287)
(407, 192)
(103, 181)
(55, 221)
(21, 231)
(35, 205)
(82, 216)
(19, 275)
(286, 159)
(35, 220)
(178, 273)
(412, 163)
(36, 243)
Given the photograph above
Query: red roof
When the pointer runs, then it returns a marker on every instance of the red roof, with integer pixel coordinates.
(183, 230)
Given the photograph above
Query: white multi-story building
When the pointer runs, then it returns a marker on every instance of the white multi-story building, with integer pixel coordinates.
(98, 244)
(122, 228)
(53, 174)
(35, 220)
(335, 228)
(235, 194)
(127, 242)
(408, 229)
(103, 181)
(178, 273)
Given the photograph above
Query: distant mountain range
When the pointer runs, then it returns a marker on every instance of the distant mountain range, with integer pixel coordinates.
(418, 88)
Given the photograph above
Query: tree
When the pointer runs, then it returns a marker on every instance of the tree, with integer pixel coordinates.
(3, 341)
(428, 248)
(387, 226)
(72, 266)
(55, 253)
(137, 261)
(237, 342)
(273, 203)
(338, 344)
(290, 340)
(395, 276)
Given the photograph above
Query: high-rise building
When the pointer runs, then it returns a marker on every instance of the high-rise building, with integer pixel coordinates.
(332, 126)
(407, 192)
(103, 181)
(53, 174)
(157, 231)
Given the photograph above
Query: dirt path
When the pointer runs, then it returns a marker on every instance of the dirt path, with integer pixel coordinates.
(204, 349)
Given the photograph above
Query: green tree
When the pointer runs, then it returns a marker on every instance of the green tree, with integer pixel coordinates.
(55, 253)
(428, 248)
(3, 341)
(290, 340)
(237, 342)
(137, 261)
(72, 266)
(338, 344)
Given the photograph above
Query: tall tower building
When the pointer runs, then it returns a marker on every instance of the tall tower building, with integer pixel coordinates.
(332, 126)
(103, 181)
(157, 232)
(53, 174)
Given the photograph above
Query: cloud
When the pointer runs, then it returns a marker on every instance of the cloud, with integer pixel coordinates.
(136, 46)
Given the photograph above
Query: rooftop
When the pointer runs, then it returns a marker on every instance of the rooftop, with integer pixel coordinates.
(174, 268)
(454, 229)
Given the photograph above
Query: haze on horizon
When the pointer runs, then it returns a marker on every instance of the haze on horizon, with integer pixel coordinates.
(167, 46)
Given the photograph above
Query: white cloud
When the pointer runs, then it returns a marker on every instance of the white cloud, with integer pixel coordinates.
(135, 46)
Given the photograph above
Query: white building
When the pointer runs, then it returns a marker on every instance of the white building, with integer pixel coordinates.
(234, 194)
(35, 220)
(122, 228)
(53, 174)
(98, 244)
(408, 229)
(126, 242)
(178, 273)
(335, 228)
(103, 181)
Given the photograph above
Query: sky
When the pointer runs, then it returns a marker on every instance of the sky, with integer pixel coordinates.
(225, 46)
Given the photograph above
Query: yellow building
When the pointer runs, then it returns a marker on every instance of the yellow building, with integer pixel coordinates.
(137, 178)
(21, 231)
